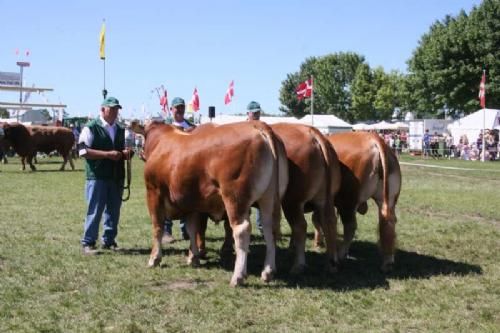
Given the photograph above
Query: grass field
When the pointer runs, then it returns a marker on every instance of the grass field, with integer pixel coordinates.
(446, 277)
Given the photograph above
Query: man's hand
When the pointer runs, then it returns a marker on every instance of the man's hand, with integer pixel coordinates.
(127, 154)
(115, 155)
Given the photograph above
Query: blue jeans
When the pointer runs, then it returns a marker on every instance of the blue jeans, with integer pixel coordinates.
(103, 196)
(258, 219)
(169, 223)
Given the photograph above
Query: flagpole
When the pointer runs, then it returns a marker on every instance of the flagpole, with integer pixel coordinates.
(312, 100)
(484, 119)
(104, 91)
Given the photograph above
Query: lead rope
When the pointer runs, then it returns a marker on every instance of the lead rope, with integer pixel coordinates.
(128, 164)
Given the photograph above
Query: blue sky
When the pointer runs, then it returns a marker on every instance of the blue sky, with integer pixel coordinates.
(183, 44)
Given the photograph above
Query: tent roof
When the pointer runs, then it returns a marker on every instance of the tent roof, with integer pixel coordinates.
(475, 120)
(325, 120)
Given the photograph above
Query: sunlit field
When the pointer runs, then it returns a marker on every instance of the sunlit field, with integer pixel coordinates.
(446, 277)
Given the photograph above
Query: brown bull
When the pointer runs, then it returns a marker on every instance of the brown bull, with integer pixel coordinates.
(224, 170)
(28, 140)
(369, 169)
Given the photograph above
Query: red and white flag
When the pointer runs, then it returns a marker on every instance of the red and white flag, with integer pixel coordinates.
(229, 93)
(164, 101)
(195, 101)
(304, 89)
(482, 91)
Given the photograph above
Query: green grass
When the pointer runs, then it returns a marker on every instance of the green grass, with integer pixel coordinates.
(446, 278)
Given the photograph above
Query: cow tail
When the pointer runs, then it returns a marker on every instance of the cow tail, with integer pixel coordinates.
(384, 160)
(272, 139)
(327, 156)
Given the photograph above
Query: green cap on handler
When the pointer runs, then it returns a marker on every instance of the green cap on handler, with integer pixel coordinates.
(253, 107)
(177, 101)
(111, 102)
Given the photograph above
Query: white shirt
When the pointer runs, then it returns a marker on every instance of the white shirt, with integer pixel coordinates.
(182, 124)
(87, 137)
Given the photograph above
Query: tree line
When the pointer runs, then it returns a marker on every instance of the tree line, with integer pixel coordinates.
(442, 77)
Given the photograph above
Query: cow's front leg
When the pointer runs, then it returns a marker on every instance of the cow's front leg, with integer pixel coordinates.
(194, 230)
(157, 213)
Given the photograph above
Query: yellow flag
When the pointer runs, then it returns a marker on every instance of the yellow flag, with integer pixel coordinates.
(101, 42)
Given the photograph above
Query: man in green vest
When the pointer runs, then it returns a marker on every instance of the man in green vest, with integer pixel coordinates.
(102, 144)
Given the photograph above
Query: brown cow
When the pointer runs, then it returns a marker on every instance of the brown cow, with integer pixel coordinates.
(369, 170)
(28, 140)
(313, 184)
(314, 179)
(224, 170)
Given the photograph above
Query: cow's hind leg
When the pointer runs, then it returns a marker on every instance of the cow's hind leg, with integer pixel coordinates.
(324, 215)
(227, 246)
(270, 211)
(241, 227)
(295, 217)
(30, 162)
(157, 213)
(387, 234)
(349, 222)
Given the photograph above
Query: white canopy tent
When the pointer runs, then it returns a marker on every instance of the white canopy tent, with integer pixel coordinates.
(472, 124)
(327, 123)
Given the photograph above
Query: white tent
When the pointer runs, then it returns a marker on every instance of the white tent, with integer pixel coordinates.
(472, 124)
(227, 119)
(362, 127)
(327, 123)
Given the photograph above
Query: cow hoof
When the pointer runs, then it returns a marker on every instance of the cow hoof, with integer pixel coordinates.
(154, 262)
(342, 253)
(203, 255)
(266, 276)
(388, 267)
(332, 267)
(298, 269)
(194, 262)
(236, 281)
(388, 264)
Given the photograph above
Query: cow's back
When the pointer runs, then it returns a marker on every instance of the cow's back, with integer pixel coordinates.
(362, 157)
(50, 138)
(195, 168)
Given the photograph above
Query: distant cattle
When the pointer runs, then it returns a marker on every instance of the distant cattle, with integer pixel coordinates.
(369, 169)
(28, 140)
(222, 171)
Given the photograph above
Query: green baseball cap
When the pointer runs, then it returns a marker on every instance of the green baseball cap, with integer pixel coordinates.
(111, 102)
(253, 107)
(177, 101)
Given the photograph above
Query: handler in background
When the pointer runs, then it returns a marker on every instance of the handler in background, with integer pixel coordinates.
(253, 113)
(178, 110)
(102, 144)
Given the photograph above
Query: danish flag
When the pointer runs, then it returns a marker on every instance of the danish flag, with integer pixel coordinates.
(482, 91)
(229, 93)
(164, 101)
(304, 89)
(195, 101)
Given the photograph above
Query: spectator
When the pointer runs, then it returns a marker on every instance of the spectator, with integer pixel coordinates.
(427, 143)
(178, 109)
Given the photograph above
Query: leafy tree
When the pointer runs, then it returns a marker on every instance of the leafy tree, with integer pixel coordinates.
(333, 76)
(446, 67)
(363, 94)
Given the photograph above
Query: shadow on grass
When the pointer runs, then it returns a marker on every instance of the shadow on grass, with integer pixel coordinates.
(361, 270)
